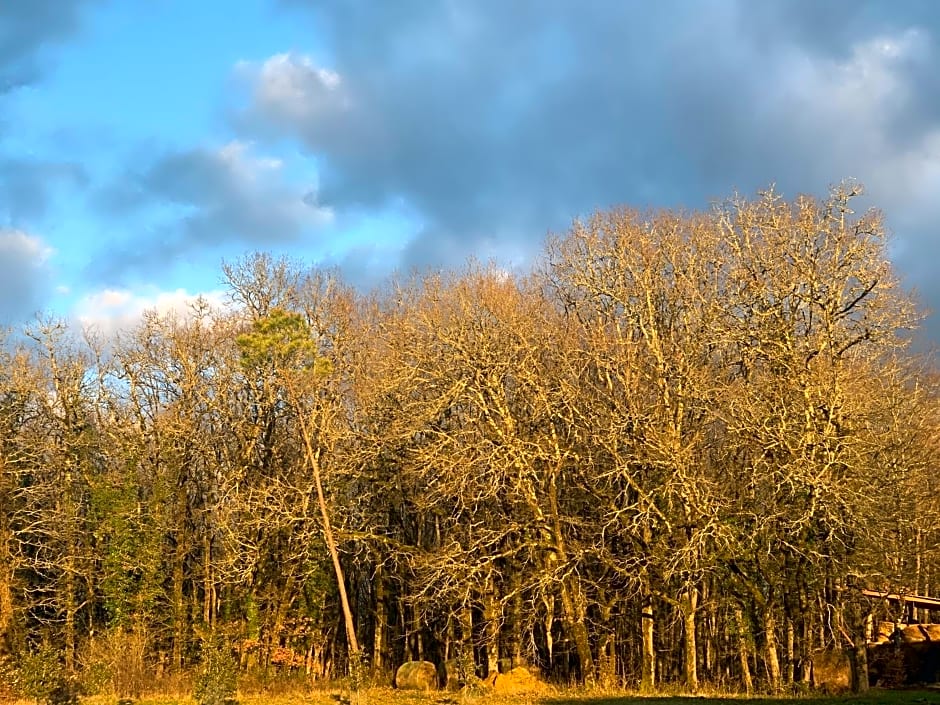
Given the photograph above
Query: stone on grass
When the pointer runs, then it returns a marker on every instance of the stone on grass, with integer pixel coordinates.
(518, 680)
(416, 675)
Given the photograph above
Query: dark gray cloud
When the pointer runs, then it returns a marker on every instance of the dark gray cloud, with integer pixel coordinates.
(27, 186)
(198, 199)
(503, 120)
(26, 28)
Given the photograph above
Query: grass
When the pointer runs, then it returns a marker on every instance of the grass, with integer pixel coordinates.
(390, 696)
(874, 697)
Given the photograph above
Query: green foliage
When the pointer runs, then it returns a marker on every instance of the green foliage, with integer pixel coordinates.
(281, 340)
(64, 693)
(218, 679)
(130, 548)
(40, 675)
(358, 672)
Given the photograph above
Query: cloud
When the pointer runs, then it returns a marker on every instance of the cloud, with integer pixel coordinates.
(26, 28)
(108, 311)
(291, 89)
(201, 198)
(495, 122)
(27, 186)
(25, 278)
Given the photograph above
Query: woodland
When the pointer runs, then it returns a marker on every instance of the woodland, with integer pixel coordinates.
(672, 452)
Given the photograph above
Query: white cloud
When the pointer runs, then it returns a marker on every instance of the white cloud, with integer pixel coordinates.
(293, 88)
(25, 276)
(864, 115)
(856, 115)
(18, 244)
(111, 310)
(257, 196)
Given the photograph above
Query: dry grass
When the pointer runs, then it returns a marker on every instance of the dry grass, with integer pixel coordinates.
(390, 696)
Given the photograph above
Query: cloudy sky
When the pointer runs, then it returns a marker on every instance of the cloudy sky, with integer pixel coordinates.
(144, 141)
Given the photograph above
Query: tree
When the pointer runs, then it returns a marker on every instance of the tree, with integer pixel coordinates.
(816, 309)
(646, 292)
(282, 343)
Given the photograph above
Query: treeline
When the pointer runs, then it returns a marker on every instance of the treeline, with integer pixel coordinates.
(671, 453)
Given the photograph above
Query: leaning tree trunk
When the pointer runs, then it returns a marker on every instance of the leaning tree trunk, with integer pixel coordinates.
(313, 459)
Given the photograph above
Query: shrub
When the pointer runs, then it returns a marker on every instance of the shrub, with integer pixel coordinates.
(40, 675)
(115, 661)
(218, 680)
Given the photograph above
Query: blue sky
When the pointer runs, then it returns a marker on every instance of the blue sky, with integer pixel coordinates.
(144, 141)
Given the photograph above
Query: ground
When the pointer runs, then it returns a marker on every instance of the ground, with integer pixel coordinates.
(388, 696)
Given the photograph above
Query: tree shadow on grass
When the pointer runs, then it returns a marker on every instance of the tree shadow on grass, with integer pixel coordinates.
(874, 697)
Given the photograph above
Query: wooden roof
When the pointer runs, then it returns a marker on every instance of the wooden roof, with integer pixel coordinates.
(930, 603)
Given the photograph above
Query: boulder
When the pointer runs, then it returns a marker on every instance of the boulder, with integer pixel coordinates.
(416, 675)
(884, 632)
(831, 670)
(518, 680)
(913, 634)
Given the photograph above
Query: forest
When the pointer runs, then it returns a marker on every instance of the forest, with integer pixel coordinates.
(671, 452)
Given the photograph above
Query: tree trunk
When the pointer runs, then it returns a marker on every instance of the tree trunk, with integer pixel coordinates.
(743, 650)
(572, 602)
(491, 626)
(381, 616)
(6, 612)
(7, 571)
(313, 459)
(790, 673)
(207, 580)
(688, 606)
(576, 630)
(858, 648)
(771, 660)
(606, 651)
(179, 608)
(648, 647)
(516, 623)
(466, 659)
(70, 609)
(548, 623)
(417, 638)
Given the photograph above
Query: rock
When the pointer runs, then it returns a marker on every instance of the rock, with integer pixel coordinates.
(831, 671)
(518, 680)
(416, 675)
(913, 634)
(884, 632)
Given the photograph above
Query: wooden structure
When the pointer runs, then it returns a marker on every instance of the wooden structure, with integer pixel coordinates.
(907, 602)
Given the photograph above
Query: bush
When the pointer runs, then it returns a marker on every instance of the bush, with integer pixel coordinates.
(40, 675)
(218, 679)
(115, 662)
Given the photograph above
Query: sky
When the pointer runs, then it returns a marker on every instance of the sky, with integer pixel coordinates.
(143, 142)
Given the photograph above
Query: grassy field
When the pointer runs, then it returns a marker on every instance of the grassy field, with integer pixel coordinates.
(389, 696)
